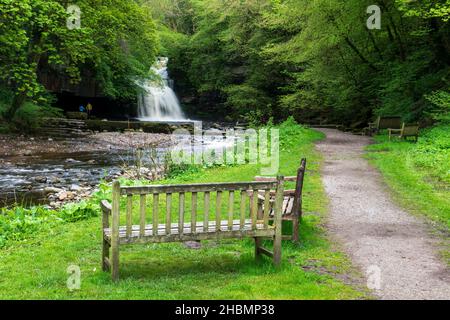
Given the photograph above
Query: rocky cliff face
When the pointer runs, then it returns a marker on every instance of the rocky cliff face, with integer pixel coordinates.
(57, 83)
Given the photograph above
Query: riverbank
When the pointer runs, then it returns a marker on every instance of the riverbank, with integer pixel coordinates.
(314, 269)
(39, 170)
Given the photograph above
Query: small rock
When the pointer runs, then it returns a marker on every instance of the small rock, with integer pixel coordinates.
(40, 179)
(70, 195)
(54, 180)
(50, 139)
(50, 190)
(62, 195)
(70, 160)
(75, 187)
(192, 244)
(27, 153)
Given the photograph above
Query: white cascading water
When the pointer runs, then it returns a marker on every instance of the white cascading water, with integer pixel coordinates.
(159, 102)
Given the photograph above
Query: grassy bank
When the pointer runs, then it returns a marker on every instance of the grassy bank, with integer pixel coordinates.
(35, 266)
(418, 174)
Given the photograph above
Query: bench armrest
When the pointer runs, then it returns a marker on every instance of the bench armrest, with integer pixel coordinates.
(106, 210)
(106, 206)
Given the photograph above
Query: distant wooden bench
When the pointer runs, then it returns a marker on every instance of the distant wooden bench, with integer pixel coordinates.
(247, 225)
(406, 131)
(382, 123)
(292, 200)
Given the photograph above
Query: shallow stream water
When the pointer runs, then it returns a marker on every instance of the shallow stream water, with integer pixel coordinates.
(26, 179)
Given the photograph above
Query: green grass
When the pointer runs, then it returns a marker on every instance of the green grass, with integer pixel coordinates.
(35, 268)
(418, 174)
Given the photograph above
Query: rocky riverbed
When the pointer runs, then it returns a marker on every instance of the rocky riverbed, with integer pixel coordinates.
(23, 145)
(53, 172)
(38, 170)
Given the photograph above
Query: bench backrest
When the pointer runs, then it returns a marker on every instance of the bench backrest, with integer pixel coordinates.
(393, 122)
(202, 197)
(299, 178)
(297, 208)
(410, 129)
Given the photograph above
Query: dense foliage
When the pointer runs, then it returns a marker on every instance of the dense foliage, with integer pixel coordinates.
(115, 44)
(251, 60)
(316, 59)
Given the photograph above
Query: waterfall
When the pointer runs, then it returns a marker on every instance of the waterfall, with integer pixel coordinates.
(159, 102)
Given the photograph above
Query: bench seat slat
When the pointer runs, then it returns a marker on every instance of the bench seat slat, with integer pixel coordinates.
(289, 207)
(212, 235)
(285, 204)
(187, 230)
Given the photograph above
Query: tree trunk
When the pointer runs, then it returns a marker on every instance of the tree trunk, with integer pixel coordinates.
(359, 54)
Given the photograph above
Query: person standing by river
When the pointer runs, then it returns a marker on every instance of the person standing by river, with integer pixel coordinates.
(89, 109)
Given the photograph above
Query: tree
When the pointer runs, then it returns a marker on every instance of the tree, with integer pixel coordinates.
(117, 41)
(314, 59)
(32, 30)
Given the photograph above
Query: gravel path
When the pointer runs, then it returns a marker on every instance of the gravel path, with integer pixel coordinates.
(391, 247)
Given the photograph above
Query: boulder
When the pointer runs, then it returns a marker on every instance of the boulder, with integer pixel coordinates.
(192, 244)
(52, 190)
(62, 195)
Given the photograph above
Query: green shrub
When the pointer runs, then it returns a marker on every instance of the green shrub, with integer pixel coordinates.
(83, 210)
(19, 223)
(288, 129)
(176, 170)
(432, 152)
(29, 116)
(441, 101)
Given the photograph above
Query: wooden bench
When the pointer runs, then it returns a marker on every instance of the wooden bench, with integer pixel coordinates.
(242, 220)
(292, 201)
(407, 130)
(383, 123)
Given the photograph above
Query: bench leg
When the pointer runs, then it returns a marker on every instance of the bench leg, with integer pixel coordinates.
(277, 250)
(105, 255)
(115, 261)
(295, 229)
(258, 243)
